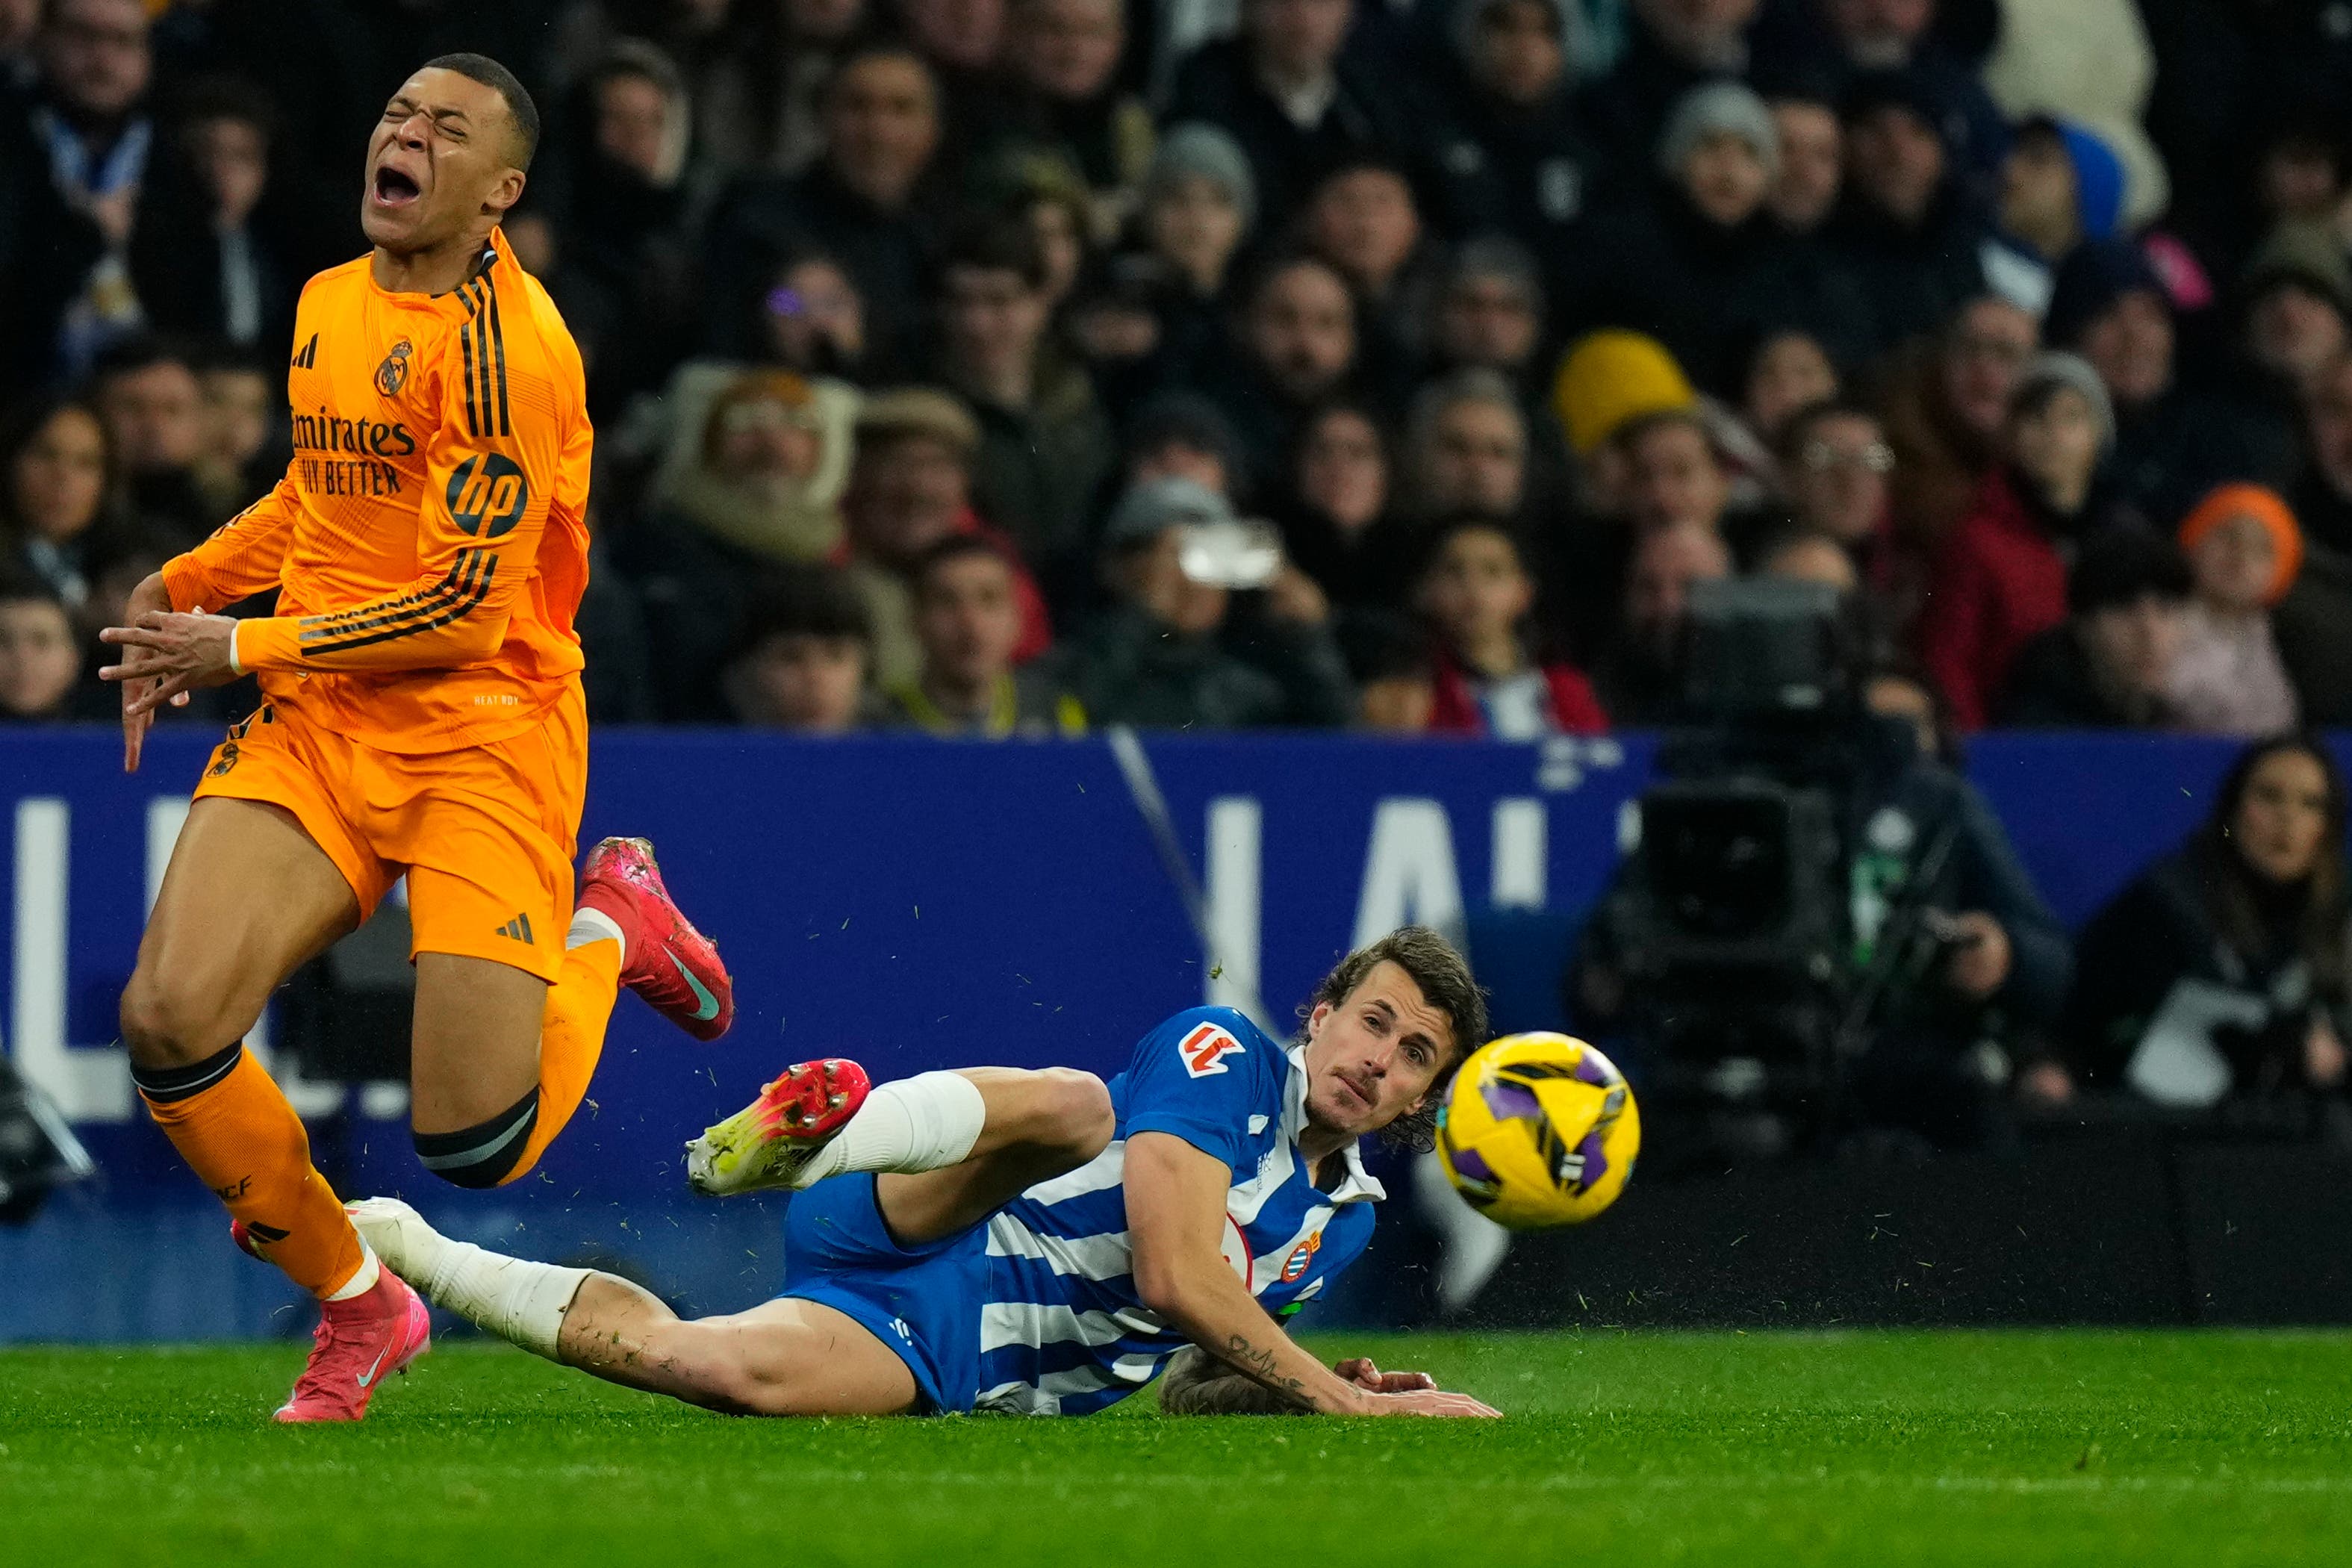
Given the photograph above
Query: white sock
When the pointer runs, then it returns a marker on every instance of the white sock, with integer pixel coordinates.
(361, 1283)
(522, 1302)
(595, 925)
(926, 1123)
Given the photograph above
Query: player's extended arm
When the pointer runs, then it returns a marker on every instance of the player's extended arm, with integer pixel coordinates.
(486, 505)
(453, 614)
(241, 558)
(1175, 1220)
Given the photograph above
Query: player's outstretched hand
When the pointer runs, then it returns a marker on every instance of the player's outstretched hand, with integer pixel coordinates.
(1359, 1370)
(173, 654)
(1406, 1392)
(1429, 1402)
(151, 597)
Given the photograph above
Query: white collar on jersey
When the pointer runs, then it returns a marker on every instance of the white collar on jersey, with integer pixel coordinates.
(1355, 1187)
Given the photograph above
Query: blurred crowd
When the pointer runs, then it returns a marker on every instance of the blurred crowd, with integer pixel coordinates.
(1012, 367)
(1007, 367)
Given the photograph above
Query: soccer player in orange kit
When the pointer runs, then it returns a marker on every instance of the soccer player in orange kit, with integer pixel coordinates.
(423, 715)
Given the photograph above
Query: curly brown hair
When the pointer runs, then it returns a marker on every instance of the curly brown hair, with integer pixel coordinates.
(1446, 984)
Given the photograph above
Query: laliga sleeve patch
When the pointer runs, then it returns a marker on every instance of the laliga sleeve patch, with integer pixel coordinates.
(487, 495)
(1205, 1050)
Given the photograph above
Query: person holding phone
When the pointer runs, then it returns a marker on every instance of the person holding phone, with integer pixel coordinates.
(1213, 626)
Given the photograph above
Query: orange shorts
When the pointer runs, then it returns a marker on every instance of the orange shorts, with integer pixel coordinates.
(485, 834)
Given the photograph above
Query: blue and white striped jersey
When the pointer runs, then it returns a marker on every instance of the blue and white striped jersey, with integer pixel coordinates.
(1062, 1330)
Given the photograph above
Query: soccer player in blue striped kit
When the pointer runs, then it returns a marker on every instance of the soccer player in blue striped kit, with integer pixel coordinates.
(1037, 1243)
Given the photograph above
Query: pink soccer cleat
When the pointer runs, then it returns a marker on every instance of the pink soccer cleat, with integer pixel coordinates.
(770, 1141)
(673, 966)
(358, 1343)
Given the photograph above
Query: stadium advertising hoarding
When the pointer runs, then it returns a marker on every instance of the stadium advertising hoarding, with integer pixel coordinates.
(912, 903)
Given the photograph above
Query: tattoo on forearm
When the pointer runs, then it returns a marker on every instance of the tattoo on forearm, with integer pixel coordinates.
(1258, 1361)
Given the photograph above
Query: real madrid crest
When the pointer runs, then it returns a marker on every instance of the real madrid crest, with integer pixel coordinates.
(393, 373)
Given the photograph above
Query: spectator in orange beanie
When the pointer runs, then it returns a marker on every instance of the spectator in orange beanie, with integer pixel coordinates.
(2244, 549)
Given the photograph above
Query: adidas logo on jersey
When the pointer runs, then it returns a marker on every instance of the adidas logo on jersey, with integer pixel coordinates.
(519, 929)
(307, 358)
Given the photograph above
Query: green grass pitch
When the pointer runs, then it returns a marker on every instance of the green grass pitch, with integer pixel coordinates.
(1843, 1447)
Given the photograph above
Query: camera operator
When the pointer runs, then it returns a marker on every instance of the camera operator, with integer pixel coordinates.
(1990, 964)
(1953, 963)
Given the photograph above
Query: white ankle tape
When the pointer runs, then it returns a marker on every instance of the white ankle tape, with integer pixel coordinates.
(520, 1301)
(945, 1114)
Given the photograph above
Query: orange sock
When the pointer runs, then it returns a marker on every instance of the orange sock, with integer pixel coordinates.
(570, 1038)
(233, 1126)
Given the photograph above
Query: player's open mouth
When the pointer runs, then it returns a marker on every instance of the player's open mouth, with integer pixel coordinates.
(394, 189)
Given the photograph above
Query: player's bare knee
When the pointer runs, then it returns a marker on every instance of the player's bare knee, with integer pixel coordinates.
(165, 1025)
(1075, 1112)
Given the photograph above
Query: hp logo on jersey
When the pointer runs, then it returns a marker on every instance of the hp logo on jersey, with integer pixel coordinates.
(487, 495)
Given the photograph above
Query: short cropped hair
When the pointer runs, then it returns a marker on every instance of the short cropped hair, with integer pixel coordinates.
(998, 245)
(954, 548)
(881, 47)
(1446, 984)
(805, 601)
(20, 587)
(1273, 267)
(520, 110)
(1441, 395)
(1454, 525)
(2125, 565)
(142, 350)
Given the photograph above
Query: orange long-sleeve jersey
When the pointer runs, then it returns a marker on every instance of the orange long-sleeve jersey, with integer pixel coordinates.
(429, 542)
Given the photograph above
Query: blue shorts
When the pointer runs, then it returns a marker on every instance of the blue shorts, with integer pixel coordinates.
(924, 1301)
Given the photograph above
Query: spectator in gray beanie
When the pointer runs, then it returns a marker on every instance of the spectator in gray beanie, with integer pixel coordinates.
(2055, 367)
(1719, 109)
(1199, 204)
(1998, 581)
(1198, 148)
(1702, 267)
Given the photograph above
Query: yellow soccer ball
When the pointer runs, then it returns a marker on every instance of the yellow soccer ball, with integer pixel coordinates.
(1539, 1129)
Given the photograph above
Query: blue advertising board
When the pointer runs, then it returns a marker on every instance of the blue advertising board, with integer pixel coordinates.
(909, 902)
